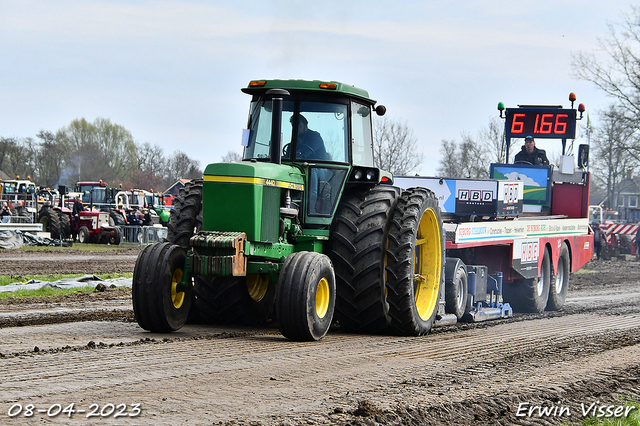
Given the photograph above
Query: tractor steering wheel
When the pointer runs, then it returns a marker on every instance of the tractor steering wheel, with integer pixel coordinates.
(306, 152)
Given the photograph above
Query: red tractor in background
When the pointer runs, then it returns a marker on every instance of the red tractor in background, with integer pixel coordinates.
(87, 226)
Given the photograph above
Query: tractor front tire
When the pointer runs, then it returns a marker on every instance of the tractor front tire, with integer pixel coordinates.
(305, 296)
(83, 234)
(115, 237)
(560, 281)
(358, 248)
(159, 305)
(415, 262)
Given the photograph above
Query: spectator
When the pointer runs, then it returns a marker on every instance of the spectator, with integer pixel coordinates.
(147, 221)
(5, 213)
(132, 218)
(598, 237)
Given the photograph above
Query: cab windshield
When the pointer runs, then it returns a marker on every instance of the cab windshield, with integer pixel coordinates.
(314, 131)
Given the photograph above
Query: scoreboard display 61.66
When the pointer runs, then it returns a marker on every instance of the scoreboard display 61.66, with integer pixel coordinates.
(554, 123)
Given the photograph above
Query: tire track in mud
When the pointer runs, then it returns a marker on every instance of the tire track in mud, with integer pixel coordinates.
(384, 370)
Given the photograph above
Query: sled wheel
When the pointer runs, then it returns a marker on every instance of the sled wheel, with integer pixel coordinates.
(159, 304)
(456, 293)
(415, 262)
(560, 281)
(531, 295)
(305, 296)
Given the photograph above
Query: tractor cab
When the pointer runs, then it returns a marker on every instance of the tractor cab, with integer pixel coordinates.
(320, 130)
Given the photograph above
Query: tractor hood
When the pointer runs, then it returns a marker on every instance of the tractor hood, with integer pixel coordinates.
(247, 196)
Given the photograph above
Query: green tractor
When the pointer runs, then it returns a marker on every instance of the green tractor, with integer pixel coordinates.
(305, 229)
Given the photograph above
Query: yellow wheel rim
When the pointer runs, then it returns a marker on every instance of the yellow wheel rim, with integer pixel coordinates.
(257, 285)
(322, 298)
(177, 297)
(427, 264)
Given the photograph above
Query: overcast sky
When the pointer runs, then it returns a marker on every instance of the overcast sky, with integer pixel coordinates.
(170, 72)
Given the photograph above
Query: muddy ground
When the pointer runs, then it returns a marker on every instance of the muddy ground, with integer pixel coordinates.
(87, 349)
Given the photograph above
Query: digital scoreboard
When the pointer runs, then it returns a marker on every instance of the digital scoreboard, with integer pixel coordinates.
(554, 123)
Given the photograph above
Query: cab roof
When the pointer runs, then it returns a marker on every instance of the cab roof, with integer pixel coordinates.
(324, 87)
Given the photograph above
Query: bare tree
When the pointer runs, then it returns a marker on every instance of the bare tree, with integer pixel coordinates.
(619, 75)
(231, 157)
(465, 160)
(449, 161)
(612, 143)
(181, 166)
(395, 148)
(493, 140)
(48, 159)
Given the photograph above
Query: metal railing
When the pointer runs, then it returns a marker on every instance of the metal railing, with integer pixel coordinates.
(142, 235)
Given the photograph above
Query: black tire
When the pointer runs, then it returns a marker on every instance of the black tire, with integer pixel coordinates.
(83, 235)
(186, 216)
(234, 300)
(415, 249)
(157, 304)
(50, 220)
(305, 296)
(115, 237)
(559, 285)
(358, 248)
(530, 295)
(65, 224)
(116, 218)
(456, 293)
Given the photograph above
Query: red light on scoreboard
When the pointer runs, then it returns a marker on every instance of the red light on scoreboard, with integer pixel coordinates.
(541, 122)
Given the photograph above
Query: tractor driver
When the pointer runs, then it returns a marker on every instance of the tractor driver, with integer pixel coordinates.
(77, 208)
(310, 145)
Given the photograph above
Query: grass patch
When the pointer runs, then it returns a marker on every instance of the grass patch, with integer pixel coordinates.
(44, 292)
(632, 420)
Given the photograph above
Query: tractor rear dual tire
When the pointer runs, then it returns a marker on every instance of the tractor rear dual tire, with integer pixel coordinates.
(415, 262)
(159, 305)
(358, 249)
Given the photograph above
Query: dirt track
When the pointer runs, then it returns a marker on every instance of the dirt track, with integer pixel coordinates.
(88, 350)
